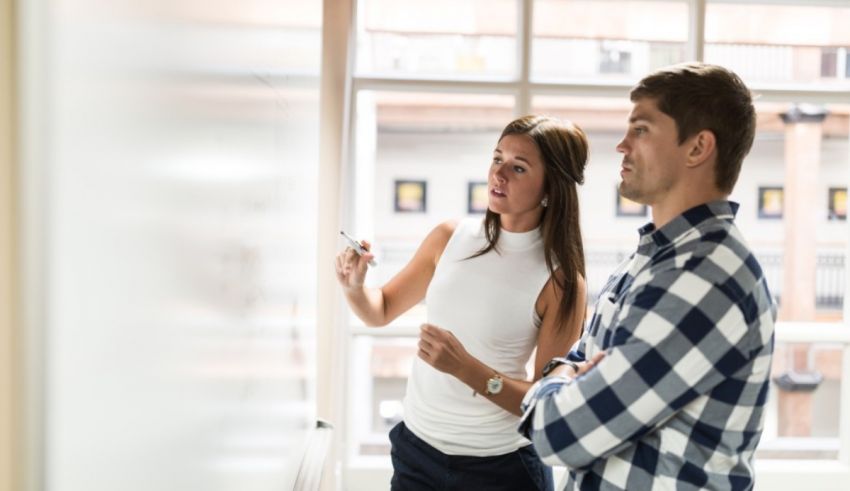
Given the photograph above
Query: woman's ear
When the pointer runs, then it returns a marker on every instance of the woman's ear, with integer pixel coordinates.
(703, 146)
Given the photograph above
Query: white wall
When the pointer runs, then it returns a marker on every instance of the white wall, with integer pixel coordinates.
(173, 199)
(448, 161)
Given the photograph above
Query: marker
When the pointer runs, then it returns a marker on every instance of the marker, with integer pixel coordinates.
(357, 247)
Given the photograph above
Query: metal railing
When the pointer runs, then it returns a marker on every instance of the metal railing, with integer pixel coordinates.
(830, 275)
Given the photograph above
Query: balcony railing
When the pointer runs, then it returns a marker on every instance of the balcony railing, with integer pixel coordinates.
(830, 275)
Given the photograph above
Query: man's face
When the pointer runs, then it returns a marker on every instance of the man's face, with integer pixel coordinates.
(652, 158)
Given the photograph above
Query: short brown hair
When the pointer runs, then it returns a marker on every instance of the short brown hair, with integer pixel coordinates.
(699, 96)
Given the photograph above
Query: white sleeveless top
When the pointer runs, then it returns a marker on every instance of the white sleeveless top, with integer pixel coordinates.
(488, 303)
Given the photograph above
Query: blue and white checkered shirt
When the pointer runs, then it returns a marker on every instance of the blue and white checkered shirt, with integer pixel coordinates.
(678, 401)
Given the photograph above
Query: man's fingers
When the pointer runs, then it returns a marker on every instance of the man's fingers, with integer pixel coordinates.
(597, 357)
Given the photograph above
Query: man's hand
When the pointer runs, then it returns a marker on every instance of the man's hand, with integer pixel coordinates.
(583, 367)
(441, 349)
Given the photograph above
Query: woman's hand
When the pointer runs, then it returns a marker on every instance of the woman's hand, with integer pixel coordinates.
(441, 349)
(351, 267)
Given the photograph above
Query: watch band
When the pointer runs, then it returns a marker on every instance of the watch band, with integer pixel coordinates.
(558, 361)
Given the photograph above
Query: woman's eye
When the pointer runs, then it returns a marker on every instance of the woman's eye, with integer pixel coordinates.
(640, 131)
(497, 161)
(518, 169)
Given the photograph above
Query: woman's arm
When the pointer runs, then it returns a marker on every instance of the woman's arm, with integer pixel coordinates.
(379, 306)
(439, 348)
(555, 340)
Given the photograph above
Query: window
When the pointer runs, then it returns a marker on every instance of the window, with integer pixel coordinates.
(446, 139)
(828, 62)
(621, 40)
(615, 58)
(478, 39)
(847, 63)
(779, 43)
(440, 124)
(376, 406)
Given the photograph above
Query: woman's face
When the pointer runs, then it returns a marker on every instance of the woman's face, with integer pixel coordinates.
(515, 183)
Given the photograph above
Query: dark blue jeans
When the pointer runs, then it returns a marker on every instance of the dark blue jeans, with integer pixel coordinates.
(419, 466)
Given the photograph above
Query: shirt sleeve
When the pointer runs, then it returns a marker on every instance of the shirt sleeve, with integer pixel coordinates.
(673, 338)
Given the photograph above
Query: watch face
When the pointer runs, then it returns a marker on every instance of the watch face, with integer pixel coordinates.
(494, 385)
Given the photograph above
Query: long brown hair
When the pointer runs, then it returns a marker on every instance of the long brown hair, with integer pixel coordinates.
(563, 147)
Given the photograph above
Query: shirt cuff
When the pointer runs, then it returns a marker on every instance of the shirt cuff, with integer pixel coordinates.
(540, 389)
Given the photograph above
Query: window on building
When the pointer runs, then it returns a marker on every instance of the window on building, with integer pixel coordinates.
(847, 62)
(586, 39)
(478, 39)
(829, 62)
(614, 57)
(776, 42)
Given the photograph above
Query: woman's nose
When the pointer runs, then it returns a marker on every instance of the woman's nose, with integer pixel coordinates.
(499, 175)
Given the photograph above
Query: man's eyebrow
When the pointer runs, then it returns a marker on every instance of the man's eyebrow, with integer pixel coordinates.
(640, 117)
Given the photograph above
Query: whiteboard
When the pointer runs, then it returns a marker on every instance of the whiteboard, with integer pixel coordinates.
(178, 188)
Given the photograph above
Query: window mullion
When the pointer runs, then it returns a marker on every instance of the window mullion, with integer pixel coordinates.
(845, 423)
(410, 84)
(844, 394)
(696, 32)
(523, 97)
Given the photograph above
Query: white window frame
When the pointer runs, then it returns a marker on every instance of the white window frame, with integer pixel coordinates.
(773, 474)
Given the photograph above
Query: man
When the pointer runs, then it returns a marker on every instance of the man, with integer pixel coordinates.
(681, 339)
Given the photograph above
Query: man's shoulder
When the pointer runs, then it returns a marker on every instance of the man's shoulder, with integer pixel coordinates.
(719, 240)
(715, 251)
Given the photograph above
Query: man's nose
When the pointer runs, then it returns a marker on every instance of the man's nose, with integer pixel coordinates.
(622, 147)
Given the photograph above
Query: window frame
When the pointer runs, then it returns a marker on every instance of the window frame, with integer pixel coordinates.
(523, 88)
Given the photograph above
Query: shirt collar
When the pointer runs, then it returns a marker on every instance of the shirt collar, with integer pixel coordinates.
(650, 237)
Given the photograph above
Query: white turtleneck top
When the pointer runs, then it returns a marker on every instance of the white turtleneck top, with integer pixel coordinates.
(488, 303)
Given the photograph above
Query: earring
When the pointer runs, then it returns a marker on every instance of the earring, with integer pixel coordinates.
(544, 202)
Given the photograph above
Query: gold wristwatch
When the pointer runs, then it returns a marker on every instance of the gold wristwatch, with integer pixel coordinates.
(494, 385)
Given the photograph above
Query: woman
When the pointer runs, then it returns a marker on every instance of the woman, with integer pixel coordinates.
(494, 292)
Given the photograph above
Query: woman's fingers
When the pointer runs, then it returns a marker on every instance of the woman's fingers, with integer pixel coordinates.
(350, 256)
(426, 346)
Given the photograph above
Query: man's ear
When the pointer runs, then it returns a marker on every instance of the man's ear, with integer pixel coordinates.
(703, 146)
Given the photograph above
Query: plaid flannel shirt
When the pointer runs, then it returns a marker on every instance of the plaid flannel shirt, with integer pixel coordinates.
(678, 401)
